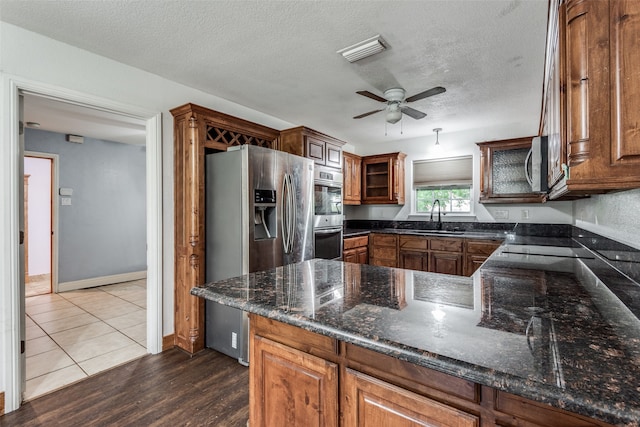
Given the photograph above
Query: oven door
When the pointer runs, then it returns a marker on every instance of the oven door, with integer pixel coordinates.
(328, 243)
(327, 198)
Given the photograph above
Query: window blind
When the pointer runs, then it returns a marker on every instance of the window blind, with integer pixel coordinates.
(443, 172)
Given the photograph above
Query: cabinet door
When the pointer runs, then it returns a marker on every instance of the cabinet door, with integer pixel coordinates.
(412, 260)
(314, 148)
(473, 263)
(333, 155)
(290, 387)
(350, 255)
(368, 401)
(362, 254)
(625, 82)
(445, 263)
(352, 169)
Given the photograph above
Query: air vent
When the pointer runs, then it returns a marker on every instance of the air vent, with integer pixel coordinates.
(363, 49)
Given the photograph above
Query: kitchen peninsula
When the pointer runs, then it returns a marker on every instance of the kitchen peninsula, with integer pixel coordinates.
(532, 338)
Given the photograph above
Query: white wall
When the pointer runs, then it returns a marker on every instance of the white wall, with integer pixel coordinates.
(33, 57)
(39, 214)
(453, 145)
(615, 215)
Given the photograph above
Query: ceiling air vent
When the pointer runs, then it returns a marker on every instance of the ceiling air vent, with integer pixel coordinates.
(363, 49)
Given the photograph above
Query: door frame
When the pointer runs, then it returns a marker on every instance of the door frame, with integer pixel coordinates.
(54, 212)
(10, 272)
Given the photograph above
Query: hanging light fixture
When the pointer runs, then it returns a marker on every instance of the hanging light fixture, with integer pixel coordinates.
(437, 130)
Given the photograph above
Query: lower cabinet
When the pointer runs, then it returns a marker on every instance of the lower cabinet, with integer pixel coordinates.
(477, 252)
(300, 378)
(356, 249)
(369, 401)
(383, 250)
(294, 388)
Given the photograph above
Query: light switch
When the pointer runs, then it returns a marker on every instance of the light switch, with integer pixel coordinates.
(65, 201)
(65, 191)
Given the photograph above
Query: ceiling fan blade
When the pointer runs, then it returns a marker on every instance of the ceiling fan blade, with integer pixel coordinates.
(413, 113)
(371, 95)
(427, 93)
(366, 114)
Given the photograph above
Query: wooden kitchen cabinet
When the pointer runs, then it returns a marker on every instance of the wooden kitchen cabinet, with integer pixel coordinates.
(323, 149)
(369, 401)
(295, 376)
(413, 253)
(383, 249)
(477, 252)
(383, 179)
(290, 387)
(198, 130)
(502, 172)
(599, 102)
(356, 249)
(446, 255)
(352, 173)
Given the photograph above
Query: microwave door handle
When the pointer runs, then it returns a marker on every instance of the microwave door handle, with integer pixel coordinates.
(526, 168)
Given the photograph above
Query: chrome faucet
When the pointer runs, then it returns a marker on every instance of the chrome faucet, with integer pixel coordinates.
(439, 218)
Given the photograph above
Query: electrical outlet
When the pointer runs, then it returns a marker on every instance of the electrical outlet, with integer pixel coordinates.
(65, 201)
(234, 340)
(501, 214)
(525, 213)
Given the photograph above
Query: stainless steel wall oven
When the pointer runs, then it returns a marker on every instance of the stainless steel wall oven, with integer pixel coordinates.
(327, 224)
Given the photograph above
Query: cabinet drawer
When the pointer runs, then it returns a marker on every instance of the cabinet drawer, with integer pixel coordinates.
(482, 247)
(447, 245)
(383, 240)
(355, 242)
(415, 243)
(384, 252)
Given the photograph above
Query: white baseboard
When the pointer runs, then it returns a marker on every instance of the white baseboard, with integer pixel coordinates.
(101, 281)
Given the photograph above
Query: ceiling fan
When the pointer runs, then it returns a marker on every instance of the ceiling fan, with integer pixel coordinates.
(395, 100)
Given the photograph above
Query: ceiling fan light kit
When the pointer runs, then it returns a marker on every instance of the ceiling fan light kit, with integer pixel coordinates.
(395, 100)
(364, 49)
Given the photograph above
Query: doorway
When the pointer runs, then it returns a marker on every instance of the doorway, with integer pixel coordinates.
(39, 173)
(12, 335)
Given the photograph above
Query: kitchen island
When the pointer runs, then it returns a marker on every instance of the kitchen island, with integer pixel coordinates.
(532, 338)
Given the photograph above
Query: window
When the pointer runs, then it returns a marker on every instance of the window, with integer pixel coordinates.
(453, 199)
(447, 180)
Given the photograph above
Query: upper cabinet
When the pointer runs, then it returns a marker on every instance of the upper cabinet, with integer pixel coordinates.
(352, 172)
(383, 179)
(502, 172)
(592, 97)
(323, 149)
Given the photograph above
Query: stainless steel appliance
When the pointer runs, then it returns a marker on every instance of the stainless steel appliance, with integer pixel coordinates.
(259, 215)
(327, 224)
(536, 166)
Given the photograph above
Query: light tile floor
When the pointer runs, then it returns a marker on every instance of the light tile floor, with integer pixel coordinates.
(72, 335)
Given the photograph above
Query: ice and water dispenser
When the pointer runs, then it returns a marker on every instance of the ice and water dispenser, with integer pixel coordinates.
(265, 214)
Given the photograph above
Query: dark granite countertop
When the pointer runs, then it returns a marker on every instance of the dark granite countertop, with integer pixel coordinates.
(534, 320)
(467, 234)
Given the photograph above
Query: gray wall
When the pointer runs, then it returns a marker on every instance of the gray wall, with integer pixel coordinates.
(615, 215)
(103, 232)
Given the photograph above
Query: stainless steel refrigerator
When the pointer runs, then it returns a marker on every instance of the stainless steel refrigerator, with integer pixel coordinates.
(259, 215)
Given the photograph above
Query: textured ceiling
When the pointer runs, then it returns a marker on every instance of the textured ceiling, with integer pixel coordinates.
(279, 57)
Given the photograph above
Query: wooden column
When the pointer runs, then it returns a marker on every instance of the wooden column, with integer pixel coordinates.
(195, 130)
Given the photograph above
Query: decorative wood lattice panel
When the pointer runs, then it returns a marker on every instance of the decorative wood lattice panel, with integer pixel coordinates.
(231, 138)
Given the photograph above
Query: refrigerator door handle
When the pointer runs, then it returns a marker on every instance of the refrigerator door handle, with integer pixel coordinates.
(292, 213)
(284, 219)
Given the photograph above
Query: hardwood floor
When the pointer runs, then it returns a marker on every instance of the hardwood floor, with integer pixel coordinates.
(169, 389)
